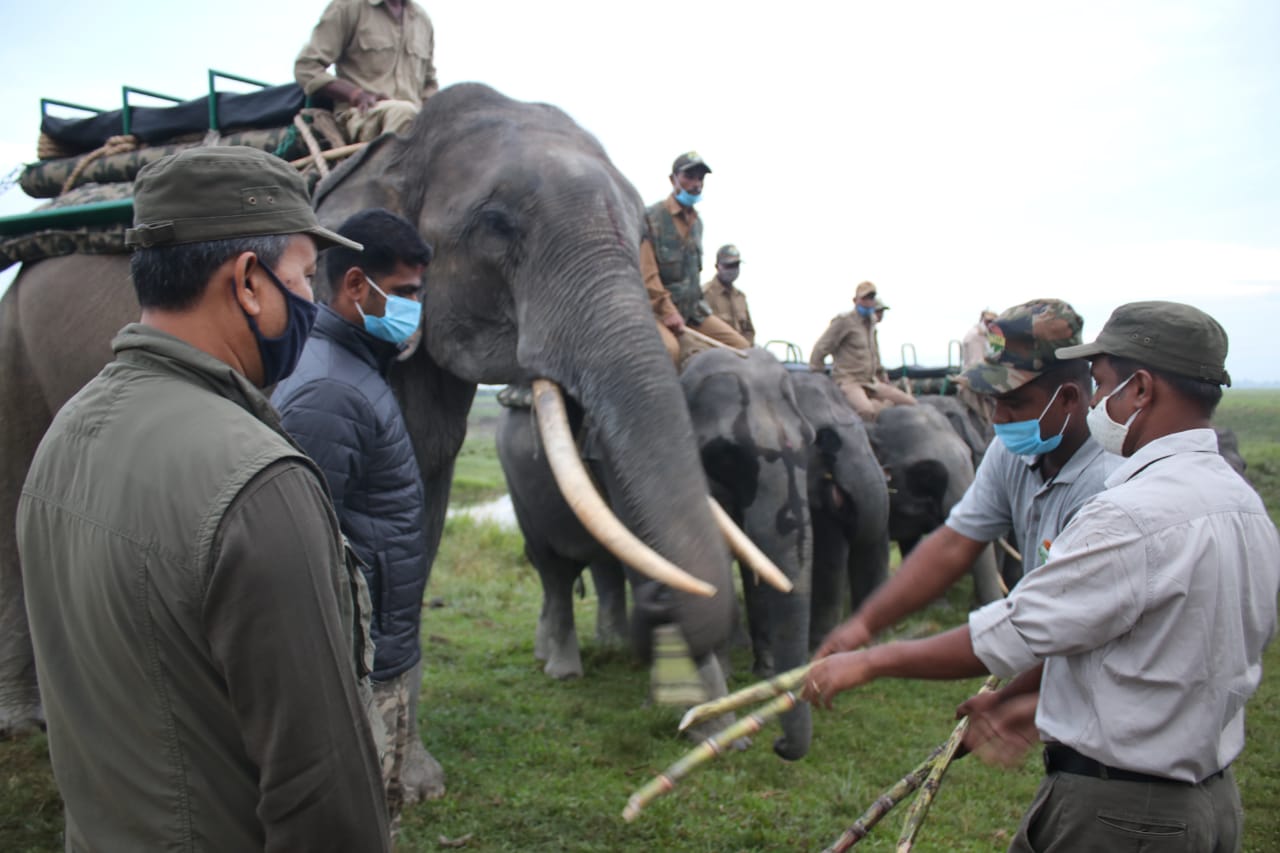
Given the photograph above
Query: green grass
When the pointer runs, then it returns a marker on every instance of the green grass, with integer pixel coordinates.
(535, 764)
(477, 474)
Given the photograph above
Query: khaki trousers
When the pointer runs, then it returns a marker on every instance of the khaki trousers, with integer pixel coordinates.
(868, 399)
(684, 347)
(1080, 814)
(382, 117)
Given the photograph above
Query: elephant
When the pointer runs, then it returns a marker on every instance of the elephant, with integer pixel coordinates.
(929, 468)
(848, 505)
(975, 433)
(536, 274)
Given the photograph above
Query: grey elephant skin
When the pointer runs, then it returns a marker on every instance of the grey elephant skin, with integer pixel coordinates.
(929, 469)
(848, 504)
(536, 274)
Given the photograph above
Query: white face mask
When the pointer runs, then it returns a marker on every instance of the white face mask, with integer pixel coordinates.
(1105, 431)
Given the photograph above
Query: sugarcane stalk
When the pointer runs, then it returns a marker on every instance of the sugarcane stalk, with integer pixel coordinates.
(885, 803)
(706, 751)
(920, 808)
(757, 692)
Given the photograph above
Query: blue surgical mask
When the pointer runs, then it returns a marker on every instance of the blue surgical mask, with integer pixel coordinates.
(687, 198)
(398, 322)
(1023, 437)
(280, 354)
(864, 311)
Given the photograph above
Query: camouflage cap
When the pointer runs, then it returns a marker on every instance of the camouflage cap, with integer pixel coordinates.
(1022, 343)
(689, 160)
(866, 288)
(728, 253)
(220, 193)
(1168, 336)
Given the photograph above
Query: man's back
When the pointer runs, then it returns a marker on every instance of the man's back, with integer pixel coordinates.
(161, 554)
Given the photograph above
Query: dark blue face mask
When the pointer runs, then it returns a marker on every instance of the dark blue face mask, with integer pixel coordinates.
(280, 354)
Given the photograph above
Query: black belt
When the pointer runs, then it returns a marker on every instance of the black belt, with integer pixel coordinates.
(1063, 759)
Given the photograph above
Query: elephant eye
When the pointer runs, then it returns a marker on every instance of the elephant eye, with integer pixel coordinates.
(497, 223)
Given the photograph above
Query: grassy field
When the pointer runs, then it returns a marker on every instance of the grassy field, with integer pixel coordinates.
(535, 764)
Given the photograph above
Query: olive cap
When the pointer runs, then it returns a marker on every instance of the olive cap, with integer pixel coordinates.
(728, 253)
(1170, 336)
(689, 160)
(1023, 342)
(221, 193)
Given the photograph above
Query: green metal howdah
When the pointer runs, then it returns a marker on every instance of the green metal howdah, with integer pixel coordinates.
(99, 213)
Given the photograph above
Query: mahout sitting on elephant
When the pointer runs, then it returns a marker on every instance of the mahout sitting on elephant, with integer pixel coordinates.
(536, 274)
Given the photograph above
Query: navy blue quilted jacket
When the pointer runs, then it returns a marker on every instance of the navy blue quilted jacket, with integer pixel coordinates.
(338, 406)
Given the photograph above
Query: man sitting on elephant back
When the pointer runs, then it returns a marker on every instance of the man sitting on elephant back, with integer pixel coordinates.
(381, 51)
(339, 407)
(725, 299)
(1042, 469)
(671, 264)
(851, 342)
(192, 614)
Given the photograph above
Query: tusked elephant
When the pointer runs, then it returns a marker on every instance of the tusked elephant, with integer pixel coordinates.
(536, 274)
(848, 504)
(929, 468)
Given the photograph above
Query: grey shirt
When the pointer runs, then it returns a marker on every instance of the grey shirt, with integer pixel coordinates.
(1009, 493)
(1151, 615)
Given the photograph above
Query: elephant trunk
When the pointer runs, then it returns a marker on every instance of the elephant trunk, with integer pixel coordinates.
(605, 352)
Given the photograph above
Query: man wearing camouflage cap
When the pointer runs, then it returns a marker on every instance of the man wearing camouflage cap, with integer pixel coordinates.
(193, 618)
(671, 264)
(850, 339)
(726, 301)
(1150, 617)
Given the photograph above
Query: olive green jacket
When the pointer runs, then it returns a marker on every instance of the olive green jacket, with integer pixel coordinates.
(192, 618)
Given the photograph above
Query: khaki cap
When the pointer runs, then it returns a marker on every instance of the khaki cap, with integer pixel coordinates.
(864, 289)
(221, 193)
(1170, 336)
(728, 253)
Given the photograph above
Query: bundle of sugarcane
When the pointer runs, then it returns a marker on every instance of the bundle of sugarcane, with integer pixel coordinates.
(707, 750)
(757, 692)
(885, 803)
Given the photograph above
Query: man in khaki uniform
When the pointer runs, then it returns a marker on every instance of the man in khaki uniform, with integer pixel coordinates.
(381, 51)
(855, 358)
(973, 351)
(725, 300)
(671, 264)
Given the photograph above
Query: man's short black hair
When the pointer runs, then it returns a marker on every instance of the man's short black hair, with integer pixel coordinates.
(1074, 371)
(173, 278)
(388, 240)
(1204, 394)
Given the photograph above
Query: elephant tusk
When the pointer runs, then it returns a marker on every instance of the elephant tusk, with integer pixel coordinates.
(747, 551)
(589, 507)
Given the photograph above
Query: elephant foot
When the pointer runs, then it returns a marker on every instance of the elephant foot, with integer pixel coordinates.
(422, 776)
(21, 718)
(764, 666)
(564, 664)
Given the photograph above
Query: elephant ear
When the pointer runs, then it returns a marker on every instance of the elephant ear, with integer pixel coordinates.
(928, 480)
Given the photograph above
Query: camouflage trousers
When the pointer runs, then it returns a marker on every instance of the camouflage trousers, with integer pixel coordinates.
(391, 701)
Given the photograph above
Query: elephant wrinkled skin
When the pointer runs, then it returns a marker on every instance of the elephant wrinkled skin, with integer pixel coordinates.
(536, 274)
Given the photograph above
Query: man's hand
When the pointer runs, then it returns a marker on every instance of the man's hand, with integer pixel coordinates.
(836, 674)
(674, 322)
(849, 635)
(363, 100)
(1002, 728)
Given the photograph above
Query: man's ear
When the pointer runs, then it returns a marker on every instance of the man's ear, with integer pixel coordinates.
(1146, 388)
(245, 289)
(355, 284)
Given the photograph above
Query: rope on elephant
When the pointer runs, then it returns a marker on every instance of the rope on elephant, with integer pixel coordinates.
(314, 147)
(113, 145)
(332, 154)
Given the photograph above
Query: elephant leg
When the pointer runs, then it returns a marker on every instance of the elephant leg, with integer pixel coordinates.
(753, 595)
(611, 603)
(829, 558)
(711, 674)
(556, 640)
(24, 420)
(867, 566)
(421, 776)
(986, 577)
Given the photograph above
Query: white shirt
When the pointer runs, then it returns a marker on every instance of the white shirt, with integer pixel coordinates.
(1009, 493)
(1151, 615)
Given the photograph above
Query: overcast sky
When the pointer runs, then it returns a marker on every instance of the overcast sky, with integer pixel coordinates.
(961, 156)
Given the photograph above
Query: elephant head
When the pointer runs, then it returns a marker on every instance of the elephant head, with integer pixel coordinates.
(536, 275)
(755, 448)
(849, 502)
